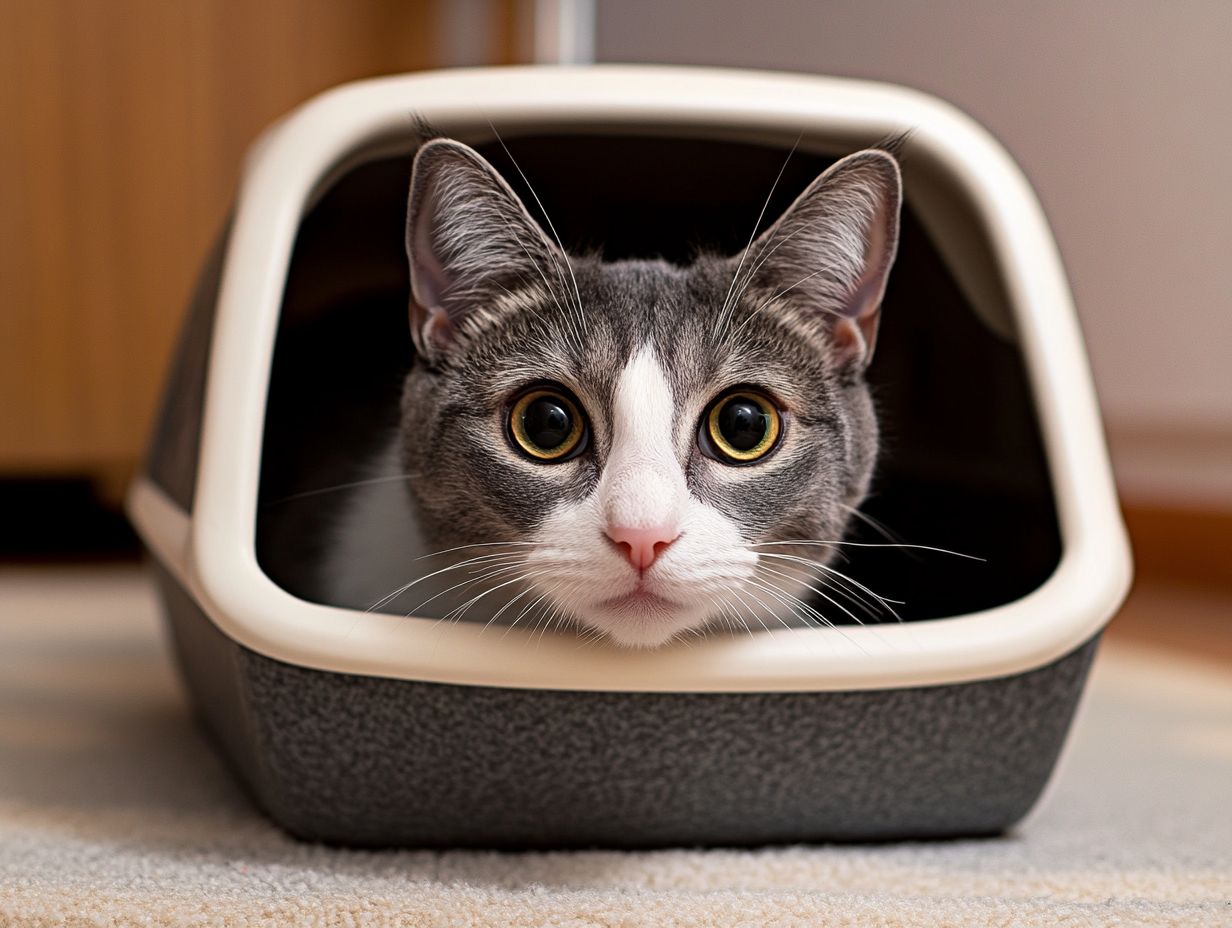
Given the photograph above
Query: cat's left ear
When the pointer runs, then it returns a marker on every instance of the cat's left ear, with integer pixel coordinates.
(830, 253)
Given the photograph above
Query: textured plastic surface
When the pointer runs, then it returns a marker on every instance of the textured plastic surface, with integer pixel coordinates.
(374, 761)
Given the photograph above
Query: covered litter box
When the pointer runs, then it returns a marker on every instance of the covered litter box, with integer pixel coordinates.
(372, 728)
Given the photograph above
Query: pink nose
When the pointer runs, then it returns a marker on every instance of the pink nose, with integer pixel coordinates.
(642, 545)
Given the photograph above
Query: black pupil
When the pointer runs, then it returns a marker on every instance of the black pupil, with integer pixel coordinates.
(547, 422)
(742, 423)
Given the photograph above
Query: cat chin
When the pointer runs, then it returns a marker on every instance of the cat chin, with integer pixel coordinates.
(642, 623)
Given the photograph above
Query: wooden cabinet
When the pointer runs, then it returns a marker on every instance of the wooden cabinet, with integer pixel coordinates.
(122, 126)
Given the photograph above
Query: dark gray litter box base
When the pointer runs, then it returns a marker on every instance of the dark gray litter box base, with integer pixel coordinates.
(371, 761)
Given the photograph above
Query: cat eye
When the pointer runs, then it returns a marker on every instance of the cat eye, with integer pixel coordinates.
(546, 425)
(740, 427)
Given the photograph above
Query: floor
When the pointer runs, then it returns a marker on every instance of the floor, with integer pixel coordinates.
(115, 810)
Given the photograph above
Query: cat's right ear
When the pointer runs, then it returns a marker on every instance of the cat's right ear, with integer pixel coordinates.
(469, 239)
(829, 255)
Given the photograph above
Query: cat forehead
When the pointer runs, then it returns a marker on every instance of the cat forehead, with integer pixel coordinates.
(627, 304)
(548, 333)
(641, 299)
(585, 325)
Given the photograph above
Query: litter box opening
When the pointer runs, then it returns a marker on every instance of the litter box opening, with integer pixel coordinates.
(962, 464)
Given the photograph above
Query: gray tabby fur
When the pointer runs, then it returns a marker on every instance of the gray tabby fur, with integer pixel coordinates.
(497, 305)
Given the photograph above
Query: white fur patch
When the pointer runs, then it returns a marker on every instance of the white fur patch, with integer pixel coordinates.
(375, 543)
(643, 485)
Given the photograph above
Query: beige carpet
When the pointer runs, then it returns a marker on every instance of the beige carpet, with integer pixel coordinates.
(113, 810)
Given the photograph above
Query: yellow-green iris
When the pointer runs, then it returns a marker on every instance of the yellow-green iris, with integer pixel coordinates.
(743, 426)
(546, 425)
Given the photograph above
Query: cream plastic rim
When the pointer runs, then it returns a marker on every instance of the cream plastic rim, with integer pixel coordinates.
(213, 553)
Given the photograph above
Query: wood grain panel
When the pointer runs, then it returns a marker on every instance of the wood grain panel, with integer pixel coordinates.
(124, 126)
(1183, 547)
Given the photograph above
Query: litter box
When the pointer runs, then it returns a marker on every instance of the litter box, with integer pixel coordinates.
(371, 728)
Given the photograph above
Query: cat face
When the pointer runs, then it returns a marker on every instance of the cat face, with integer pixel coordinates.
(640, 437)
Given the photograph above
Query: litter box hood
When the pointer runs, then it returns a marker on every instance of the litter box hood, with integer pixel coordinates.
(197, 508)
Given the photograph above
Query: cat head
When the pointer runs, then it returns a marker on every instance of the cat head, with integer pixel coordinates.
(640, 437)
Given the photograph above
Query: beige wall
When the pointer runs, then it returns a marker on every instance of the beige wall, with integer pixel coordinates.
(1121, 113)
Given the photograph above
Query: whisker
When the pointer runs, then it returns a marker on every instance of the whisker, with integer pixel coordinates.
(752, 613)
(781, 596)
(741, 624)
(734, 622)
(877, 525)
(481, 544)
(501, 611)
(588, 636)
(526, 609)
(459, 611)
(547, 627)
(761, 306)
(727, 300)
(866, 544)
(838, 574)
(809, 586)
(762, 259)
(874, 605)
(495, 572)
(545, 620)
(682, 637)
(575, 333)
(782, 593)
(726, 612)
(544, 604)
(847, 578)
(792, 602)
(406, 586)
(884, 601)
(337, 487)
(581, 314)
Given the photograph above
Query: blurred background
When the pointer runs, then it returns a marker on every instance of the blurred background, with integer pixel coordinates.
(125, 123)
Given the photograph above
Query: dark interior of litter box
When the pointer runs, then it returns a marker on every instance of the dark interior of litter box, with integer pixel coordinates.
(962, 465)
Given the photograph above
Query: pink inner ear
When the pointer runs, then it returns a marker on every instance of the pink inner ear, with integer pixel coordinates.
(437, 329)
(849, 339)
(430, 323)
(855, 334)
(428, 277)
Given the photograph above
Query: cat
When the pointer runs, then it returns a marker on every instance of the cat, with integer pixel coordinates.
(642, 450)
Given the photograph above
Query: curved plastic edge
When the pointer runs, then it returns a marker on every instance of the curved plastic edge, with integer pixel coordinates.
(214, 554)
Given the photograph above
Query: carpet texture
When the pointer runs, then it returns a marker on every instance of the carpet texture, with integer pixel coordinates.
(115, 811)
